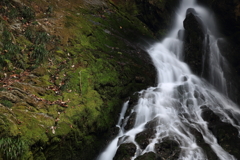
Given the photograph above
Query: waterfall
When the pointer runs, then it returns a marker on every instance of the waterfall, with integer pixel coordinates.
(175, 106)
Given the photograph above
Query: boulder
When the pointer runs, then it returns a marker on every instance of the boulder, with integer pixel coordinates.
(148, 156)
(131, 121)
(168, 149)
(125, 152)
(195, 33)
(143, 138)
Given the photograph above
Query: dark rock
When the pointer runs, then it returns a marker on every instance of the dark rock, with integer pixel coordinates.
(148, 156)
(143, 138)
(168, 149)
(131, 121)
(226, 134)
(191, 10)
(190, 103)
(194, 41)
(181, 89)
(152, 124)
(156, 14)
(125, 152)
(181, 35)
(211, 155)
(122, 140)
(232, 72)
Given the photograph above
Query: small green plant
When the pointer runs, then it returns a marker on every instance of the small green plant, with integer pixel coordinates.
(12, 148)
(6, 103)
(35, 23)
(39, 53)
(9, 49)
(6, 35)
(2, 89)
(36, 37)
(29, 34)
(27, 14)
(49, 10)
(42, 37)
(13, 13)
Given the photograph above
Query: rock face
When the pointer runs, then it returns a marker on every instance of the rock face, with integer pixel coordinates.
(168, 149)
(144, 137)
(156, 14)
(227, 14)
(195, 33)
(148, 156)
(226, 134)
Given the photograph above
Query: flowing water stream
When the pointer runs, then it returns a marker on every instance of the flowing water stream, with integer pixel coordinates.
(176, 104)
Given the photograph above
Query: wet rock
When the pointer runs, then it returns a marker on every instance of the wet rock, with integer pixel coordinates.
(148, 156)
(122, 140)
(191, 10)
(182, 89)
(194, 41)
(193, 24)
(211, 155)
(144, 138)
(152, 124)
(196, 94)
(190, 103)
(168, 149)
(131, 121)
(125, 152)
(226, 134)
(181, 35)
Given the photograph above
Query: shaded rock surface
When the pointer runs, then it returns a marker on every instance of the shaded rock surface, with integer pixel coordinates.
(125, 151)
(167, 149)
(148, 156)
(144, 138)
(226, 134)
(194, 41)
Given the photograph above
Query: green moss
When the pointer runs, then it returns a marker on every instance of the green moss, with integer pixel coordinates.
(23, 42)
(63, 128)
(93, 73)
(6, 103)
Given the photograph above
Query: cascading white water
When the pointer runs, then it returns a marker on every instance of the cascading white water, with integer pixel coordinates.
(176, 104)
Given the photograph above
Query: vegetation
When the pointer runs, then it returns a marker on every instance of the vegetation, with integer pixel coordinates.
(6, 103)
(66, 78)
(13, 148)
